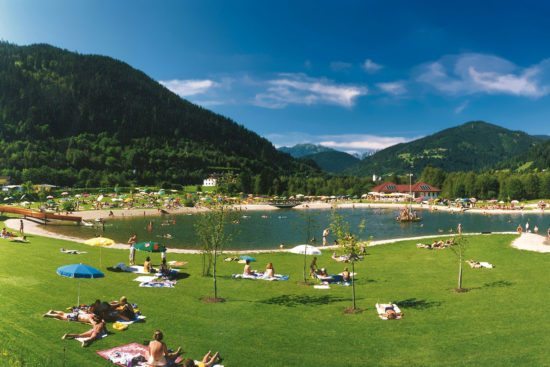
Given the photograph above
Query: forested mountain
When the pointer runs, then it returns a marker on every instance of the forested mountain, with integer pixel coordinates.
(473, 146)
(87, 120)
(333, 161)
(537, 158)
(302, 150)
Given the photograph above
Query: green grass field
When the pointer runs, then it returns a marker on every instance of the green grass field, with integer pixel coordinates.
(501, 321)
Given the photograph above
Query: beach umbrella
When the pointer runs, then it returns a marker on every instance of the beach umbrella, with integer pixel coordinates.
(100, 242)
(305, 250)
(247, 258)
(150, 246)
(64, 193)
(79, 271)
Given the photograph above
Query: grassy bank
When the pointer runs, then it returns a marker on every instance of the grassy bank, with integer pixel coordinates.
(498, 322)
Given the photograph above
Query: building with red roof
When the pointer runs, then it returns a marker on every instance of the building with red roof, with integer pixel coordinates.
(419, 189)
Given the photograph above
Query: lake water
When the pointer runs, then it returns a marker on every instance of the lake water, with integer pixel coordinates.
(268, 229)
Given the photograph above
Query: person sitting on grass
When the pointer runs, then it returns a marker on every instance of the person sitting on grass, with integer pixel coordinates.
(96, 332)
(346, 275)
(70, 316)
(313, 267)
(158, 352)
(164, 270)
(147, 268)
(269, 271)
(207, 361)
(124, 309)
(248, 269)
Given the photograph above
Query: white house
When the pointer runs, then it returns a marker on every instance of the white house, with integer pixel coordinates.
(210, 181)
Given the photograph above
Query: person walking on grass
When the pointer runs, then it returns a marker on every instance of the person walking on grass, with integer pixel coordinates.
(21, 227)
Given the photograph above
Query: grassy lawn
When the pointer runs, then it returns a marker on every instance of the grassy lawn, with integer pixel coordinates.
(501, 321)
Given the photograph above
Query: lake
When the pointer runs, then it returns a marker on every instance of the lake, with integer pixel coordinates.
(269, 229)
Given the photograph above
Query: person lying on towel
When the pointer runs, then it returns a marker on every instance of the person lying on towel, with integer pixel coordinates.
(207, 361)
(96, 332)
(390, 313)
(70, 316)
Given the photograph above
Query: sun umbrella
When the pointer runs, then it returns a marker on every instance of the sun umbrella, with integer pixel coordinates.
(247, 258)
(150, 246)
(79, 271)
(100, 242)
(305, 250)
(64, 193)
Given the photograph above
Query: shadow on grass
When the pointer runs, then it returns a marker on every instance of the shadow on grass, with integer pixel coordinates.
(302, 300)
(181, 275)
(498, 284)
(418, 304)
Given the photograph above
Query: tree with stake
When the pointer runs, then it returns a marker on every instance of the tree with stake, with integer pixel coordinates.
(349, 243)
(458, 246)
(212, 232)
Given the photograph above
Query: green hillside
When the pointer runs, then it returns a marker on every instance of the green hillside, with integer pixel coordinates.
(473, 146)
(88, 120)
(333, 161)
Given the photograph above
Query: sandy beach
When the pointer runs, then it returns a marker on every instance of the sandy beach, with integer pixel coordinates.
(532, 242)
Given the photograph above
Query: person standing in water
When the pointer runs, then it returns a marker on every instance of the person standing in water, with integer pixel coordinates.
(326, 232)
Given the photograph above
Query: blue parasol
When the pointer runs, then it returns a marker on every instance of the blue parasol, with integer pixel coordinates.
(79, 271)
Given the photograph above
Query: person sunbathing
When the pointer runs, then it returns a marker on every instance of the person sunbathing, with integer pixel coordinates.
(248, 269)
(124, 309)
(147, 268)
(70, 316)
(164, 269)
(96, 332)
(390, 313)
(207, 361)
(269, 271)
(346, 275)
(158, 352)
(341, 258)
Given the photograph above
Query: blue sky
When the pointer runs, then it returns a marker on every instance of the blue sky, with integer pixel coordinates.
(353, 75)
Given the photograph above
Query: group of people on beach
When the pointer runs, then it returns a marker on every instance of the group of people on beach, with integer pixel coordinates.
(320, 273)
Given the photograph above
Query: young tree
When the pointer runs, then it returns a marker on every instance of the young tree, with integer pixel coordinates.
(211, 229)
(349, 243)
(458, 247)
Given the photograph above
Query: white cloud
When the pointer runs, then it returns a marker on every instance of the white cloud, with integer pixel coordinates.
(340, 65)
(466, 74)
(371, 67)
(356, 143)
(303, 90)
(394, 88)
(189, 87)
(461, 107)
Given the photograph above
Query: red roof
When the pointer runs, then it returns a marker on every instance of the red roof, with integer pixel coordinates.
(389, 187)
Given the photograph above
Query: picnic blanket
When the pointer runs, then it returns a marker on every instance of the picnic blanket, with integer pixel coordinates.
(381, 309)
(132, 354)
(72, 252)
(159, 284)
(261, 277)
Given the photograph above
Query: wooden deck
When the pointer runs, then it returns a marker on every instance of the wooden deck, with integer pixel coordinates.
(39, 215)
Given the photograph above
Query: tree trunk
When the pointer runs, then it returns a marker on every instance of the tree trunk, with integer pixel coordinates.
(353, 283)
(214, 275)
(305, 265)
(460, 274)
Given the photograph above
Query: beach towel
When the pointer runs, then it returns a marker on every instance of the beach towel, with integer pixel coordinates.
(259, 276)
(19, 240)
(321, 286)
(158, 284)
(479, 264)
(381, 309)
(132, 354)
(177, 264)
(72, 252)
(145, 278)
(138, 318)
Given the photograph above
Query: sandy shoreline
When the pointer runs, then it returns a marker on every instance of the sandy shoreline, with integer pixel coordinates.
(34, 228)
(532, 242)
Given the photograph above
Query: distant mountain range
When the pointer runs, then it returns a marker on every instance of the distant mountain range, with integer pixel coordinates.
(472, 146)
(328, 159)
